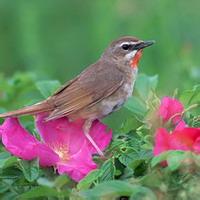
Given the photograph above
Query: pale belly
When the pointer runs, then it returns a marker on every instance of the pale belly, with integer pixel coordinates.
(116, 101)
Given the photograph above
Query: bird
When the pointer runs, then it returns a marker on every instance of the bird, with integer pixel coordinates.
(99, 90)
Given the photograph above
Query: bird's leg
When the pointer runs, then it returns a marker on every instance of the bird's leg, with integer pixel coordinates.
(86, 129)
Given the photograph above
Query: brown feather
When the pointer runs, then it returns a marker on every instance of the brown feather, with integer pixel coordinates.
(93, 85)
(29, 110)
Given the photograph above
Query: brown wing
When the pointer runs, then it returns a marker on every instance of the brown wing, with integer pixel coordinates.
(93, 85)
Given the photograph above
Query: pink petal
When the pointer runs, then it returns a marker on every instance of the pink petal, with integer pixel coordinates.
(161, 141)
(17, 140)
(47, 156)
(170, 107)
(184, 139)
(181, 125)
(23, 145)
(70, 134)
(68, 140)
(79, 165)
(196, 146)
(60, 132)
(101, 135)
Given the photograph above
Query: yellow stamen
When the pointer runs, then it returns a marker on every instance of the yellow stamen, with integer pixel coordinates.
(62, 151)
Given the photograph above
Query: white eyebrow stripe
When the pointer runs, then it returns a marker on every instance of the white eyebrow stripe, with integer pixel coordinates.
(128, 43)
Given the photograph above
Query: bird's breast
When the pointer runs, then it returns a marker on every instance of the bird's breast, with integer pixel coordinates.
(116, 100)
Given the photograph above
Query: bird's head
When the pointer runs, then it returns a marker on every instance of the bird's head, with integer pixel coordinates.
(127, 49)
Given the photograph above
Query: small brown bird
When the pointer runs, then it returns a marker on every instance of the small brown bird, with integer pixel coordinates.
(99, 90)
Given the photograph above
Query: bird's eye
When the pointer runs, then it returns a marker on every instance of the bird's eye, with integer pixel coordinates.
(126, 46)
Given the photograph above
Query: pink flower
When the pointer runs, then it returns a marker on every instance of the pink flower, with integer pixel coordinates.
(187, 139)
(171, 109)
(63, 144)
(182, 137)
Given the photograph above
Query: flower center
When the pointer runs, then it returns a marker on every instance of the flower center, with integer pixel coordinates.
(62, 152)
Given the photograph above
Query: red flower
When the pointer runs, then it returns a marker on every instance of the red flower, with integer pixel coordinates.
(172, 109)
(181, 138)
(187, 139)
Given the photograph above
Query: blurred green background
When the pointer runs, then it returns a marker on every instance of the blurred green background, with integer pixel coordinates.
(56, 39)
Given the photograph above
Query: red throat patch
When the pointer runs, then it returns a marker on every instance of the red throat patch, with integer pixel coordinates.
(134, 62)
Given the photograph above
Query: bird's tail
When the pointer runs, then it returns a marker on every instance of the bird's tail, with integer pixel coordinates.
(43, 106)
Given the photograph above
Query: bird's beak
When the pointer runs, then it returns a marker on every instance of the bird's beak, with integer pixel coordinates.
(143, 44)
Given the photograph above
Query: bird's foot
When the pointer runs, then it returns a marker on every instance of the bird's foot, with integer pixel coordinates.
(94, 144)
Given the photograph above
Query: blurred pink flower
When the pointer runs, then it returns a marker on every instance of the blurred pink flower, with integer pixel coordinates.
(63, 144)
(186, 139)
(182, 137)
(171, 109)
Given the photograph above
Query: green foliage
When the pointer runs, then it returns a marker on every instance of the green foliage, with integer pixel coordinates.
(144, 89)
(47, 88)
(129, 169)
(30, 169)
(113, 189)
(43, 191)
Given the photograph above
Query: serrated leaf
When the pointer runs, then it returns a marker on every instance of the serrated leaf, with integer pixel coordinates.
(89, 179)
(107, 170)
(127, 158)
(133, 159)
(30, 169)
(47, 88)
(5, 185)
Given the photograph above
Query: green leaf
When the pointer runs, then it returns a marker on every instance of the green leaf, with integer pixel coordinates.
(112, 190)
(60, 181)
(155, 175)
(89, 179)
(173, 158)
(10, 173)
(158, 159)
(189, 97)
(109, 188)
(5, 185)
(127, 158)
(30, 169)
(107, 170)
(6, 160)
(130, 124)
(133, 158)
(145, 84)
(136, 106)
(143, 193)
(45, 182)
(47, 88)
(43, 191)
